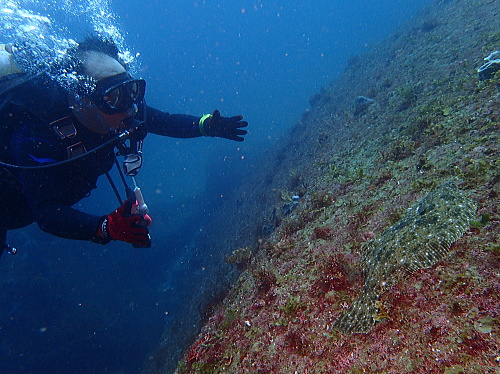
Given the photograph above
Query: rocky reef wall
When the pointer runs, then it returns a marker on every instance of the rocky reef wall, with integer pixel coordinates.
(402, 120)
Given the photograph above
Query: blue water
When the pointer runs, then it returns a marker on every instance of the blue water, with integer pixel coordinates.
(76, 307)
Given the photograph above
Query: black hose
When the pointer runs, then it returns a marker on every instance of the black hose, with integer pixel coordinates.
(111, 141)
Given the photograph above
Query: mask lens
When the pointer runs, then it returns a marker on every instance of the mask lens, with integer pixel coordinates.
(112, 97)
(122, 96)
(134, 91)
(138, 89)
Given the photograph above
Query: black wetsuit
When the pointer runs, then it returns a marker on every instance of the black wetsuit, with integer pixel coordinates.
(48, 194)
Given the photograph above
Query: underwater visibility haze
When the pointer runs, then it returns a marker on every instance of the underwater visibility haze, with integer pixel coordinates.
(77, 307)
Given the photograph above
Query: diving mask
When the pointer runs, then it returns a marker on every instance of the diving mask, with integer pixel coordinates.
(118, 93)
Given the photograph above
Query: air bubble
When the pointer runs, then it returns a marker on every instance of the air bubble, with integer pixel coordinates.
(43, 43)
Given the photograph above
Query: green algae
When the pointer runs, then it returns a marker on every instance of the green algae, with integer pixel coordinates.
(485, 324)
(494, 247)
(293, 305)
(455, 369)
(485, 220)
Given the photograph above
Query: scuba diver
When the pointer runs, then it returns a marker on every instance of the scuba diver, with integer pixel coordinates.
(55, 143)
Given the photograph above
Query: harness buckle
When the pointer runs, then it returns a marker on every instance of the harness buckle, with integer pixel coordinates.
(76, 149)
(64, 127)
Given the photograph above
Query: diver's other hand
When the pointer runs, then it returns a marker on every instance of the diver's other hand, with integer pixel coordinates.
(223, 127)
(126, 227)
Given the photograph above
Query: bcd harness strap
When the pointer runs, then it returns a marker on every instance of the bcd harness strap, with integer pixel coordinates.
(66, 130)
(67, 133)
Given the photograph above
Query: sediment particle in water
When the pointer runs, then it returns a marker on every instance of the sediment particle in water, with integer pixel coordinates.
(420, 239)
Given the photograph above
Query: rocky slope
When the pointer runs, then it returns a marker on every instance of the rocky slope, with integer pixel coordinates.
(402, 120)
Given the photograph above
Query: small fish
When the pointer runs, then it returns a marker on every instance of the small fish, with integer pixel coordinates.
(420, 239)
(42, 160)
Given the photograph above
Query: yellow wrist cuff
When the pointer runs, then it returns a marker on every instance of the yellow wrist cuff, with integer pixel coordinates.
(200, 124)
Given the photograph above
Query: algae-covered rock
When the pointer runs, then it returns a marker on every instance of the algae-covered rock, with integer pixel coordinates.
(420, 239)
(484, 325)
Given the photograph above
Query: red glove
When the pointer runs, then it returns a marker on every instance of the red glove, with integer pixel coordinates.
(127, 227)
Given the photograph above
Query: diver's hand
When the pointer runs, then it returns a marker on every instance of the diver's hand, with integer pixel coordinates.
(223, 127)
(127, 227)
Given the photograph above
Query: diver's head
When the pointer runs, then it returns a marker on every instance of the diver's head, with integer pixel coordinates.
(115, 98)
